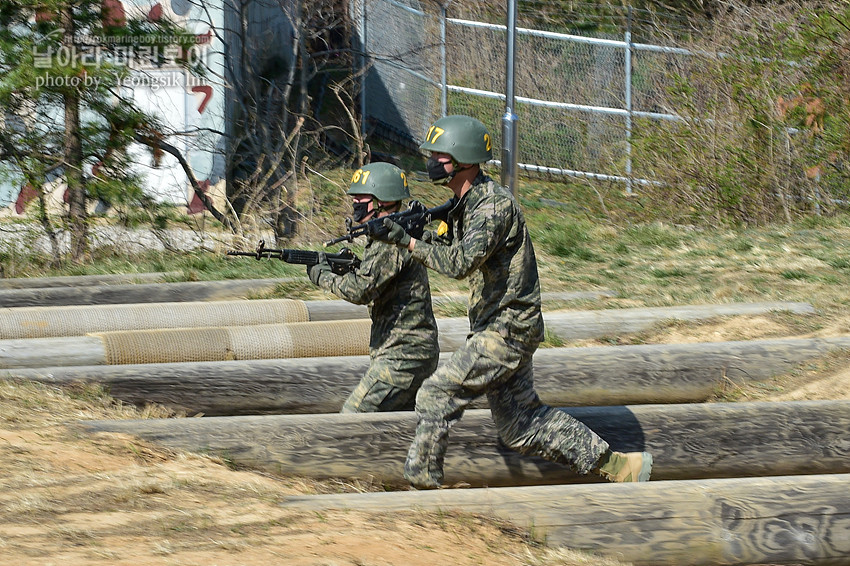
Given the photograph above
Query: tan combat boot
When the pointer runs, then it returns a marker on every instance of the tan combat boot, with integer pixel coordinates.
(625, 466)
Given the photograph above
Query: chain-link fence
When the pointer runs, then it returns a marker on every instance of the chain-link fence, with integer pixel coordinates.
(401, 84)
(576, 95)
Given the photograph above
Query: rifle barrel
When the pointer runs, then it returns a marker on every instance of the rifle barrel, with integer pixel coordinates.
(346, 238)
(415, 208)
(255, 255)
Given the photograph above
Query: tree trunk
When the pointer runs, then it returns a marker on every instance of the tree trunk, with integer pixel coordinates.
(46, 224)
(73, 153)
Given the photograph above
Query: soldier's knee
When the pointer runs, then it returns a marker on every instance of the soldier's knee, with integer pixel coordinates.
(517, 428)
(429, 394)
(520, 444)
(513, 438)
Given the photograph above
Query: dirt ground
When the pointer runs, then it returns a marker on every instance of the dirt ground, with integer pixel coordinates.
(73, 500)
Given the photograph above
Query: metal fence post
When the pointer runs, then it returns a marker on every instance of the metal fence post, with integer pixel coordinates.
(628, 73)
(509, 120)
(394, 58)
(363, 47)
(444, 89)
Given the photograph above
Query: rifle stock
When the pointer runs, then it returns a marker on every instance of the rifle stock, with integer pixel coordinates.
(341, 263)
(413, 220)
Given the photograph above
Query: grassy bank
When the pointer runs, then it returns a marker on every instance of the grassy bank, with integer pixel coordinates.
(584, 240)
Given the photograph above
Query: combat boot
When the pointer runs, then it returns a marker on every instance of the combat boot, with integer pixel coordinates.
(625, 466)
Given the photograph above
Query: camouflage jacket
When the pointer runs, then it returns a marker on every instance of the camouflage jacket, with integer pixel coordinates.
(488, 242)
(399, 297)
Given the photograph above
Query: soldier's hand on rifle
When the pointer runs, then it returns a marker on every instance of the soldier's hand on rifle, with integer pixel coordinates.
(314, 272)
(392, 233)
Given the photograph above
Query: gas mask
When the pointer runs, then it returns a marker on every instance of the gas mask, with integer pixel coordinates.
(361, 211)
(437, 172)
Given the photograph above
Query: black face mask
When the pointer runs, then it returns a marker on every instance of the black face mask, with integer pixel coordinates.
(437, 171)
(361, 211)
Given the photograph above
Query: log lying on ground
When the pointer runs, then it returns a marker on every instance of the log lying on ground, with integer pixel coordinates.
(337, 309)
(141, 293)
(79, 320)
(714, 522)
(608, 375)
(551, 296)
(84, 280)
(263, 341)
(688, 441)
(614, 322)
(20, 296)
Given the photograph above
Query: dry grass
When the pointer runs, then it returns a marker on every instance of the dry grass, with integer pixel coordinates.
(826, 377)
(112, 499)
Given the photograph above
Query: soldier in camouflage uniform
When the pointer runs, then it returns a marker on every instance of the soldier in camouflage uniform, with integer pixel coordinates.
(403, 345)
(488, 242)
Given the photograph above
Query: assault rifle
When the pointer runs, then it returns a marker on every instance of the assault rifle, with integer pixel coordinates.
(413, 220)
(341, 262)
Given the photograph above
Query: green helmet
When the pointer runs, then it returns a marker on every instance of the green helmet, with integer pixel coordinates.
(384, 181)
(463, 137)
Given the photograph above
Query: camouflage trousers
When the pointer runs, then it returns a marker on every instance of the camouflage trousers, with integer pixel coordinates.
(488, 364)
(389, 385)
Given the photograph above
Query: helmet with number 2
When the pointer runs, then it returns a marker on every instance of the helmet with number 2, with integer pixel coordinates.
(384, 181)
(463, 137)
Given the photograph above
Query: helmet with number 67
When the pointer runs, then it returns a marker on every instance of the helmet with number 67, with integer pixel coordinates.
(463, 137)
(384, 181)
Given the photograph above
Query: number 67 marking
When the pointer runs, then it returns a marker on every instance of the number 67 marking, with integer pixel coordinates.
(434, 132)
(360, 176)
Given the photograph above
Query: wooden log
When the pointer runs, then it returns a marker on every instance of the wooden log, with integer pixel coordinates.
(340, 310)
(84, 280)
(613, 322)
(15, 293)
(78, 320)
(335, 310)
(608, 375)
(576, 325)
(549, 296)
(23, 353)
(688, 441)
(58, 351)
(141, 293)
(714, 522)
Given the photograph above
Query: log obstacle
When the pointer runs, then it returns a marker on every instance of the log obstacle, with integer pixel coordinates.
(140, 293)
(261, 341)
(19, 296)
(714, 522)
(577, 325)
(549, 296)
(326, 338)
(84, 280)
(79, 320)
(47, 322)
(607, 375)
(613, 322)
(337, 309)
(688, 441)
